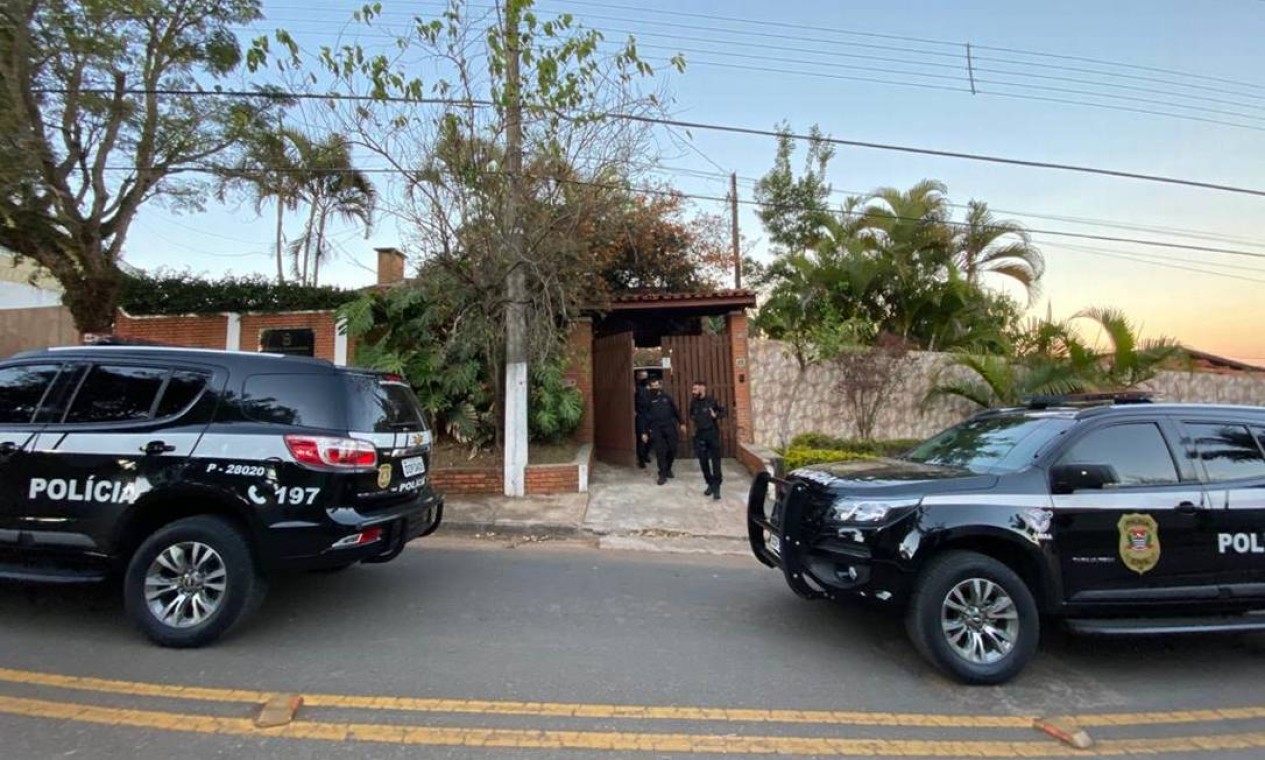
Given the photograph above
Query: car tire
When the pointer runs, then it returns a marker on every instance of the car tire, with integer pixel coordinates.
(974, 618)
(190, 581)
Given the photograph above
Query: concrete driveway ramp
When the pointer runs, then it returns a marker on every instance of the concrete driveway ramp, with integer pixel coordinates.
(629, 511)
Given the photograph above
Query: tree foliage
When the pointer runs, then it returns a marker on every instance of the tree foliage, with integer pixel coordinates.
(1052, 358)
(890, 262)
(94, 127)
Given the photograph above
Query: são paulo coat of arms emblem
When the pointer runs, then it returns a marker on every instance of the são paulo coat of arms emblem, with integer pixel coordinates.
(1139, 542)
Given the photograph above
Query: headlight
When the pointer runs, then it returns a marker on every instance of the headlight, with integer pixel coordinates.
(849, 510)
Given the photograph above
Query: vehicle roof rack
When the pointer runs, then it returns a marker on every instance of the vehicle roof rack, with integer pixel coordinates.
(1088, 399)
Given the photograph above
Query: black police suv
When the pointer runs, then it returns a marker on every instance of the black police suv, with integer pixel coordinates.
(1119, 519)
(196, 474)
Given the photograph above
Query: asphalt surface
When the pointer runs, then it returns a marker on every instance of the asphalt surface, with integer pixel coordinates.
(589, 639)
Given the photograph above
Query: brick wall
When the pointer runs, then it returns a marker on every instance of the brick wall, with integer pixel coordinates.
(321, 323)
(540, 479)
(561, 478)
(737, 330)
(468, 480)
(580, 372)
(202, 331)
(211, 330)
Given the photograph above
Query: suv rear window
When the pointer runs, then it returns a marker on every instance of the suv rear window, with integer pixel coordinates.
(376, 405)
(304, 400)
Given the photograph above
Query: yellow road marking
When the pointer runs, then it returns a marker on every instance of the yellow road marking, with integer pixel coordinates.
(633, 712)
(611, 741)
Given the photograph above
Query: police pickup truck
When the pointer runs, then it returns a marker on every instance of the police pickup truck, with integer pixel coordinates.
(1118, 518)
(195, 474)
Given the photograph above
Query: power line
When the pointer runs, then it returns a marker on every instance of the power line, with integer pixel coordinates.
(725, 128)
(1151, 262)
(725, 199)
(1086, 221)
(920, 40)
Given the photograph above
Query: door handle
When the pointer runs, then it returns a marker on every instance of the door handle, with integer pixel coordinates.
(157, 447)
(1187, 508)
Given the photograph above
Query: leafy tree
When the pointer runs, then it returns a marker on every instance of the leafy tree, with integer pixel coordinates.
(794, 209)
(490, 191)
(646, 243)
(80, 83)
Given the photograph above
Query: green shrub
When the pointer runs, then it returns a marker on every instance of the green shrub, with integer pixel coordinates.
(794, 458)
(886, 448)
(555, 406)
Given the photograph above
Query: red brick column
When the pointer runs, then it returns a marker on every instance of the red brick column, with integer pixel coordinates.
(580, 372)
(736, 324)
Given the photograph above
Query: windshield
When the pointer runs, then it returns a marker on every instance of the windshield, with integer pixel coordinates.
(1004, 443)
(380, 406)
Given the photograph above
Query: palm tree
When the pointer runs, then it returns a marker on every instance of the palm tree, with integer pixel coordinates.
(986, 244)
(331, 186)
(1129, 361)
(992, 380)
(271, 170)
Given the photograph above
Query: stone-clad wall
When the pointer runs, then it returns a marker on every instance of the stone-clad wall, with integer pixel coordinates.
(819, 409)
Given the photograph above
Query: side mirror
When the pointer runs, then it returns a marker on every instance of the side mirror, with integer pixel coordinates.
(1070, 478)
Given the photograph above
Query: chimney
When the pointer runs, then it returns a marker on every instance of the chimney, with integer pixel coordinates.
(390, 266)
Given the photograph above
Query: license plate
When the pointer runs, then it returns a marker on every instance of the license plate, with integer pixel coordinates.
(413, 466)
(775, 544)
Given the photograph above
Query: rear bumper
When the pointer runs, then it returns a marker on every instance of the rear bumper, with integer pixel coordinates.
(814, 567)
(311, 545)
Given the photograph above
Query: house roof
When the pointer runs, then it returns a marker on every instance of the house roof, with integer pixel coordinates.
(1212, 362)
(712, 299)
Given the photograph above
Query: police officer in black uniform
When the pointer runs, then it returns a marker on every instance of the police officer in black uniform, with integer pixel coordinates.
(642, 404)
(706, 415)
(662, 422)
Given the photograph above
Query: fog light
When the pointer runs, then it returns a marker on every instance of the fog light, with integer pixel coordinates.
(358, 539)
(849, 572)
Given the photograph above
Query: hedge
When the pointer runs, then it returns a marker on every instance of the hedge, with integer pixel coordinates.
(888, 448)
(187, 294)
(794, 458)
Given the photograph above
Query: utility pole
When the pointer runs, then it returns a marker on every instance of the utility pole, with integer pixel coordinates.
(515, 449)
(733, 213)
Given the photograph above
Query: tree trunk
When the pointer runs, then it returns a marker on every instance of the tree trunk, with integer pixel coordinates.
(281, 209)
(307, 243)
(319, 247)
(515, 451)
(92, 301)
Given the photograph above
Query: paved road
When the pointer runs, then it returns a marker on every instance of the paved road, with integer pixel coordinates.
(542, 645)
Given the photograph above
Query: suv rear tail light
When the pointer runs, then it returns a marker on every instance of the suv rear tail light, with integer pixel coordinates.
(326, 451)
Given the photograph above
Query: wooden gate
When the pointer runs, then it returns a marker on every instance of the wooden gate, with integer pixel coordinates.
(706, 358)
(613, 400)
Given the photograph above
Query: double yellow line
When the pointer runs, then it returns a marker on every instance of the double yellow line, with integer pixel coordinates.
(613, 740)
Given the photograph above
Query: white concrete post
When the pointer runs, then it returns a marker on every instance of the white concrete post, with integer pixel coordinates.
(233, 333)
(340, 343)
(516, 429)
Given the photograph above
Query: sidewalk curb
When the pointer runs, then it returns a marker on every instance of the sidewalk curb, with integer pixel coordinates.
(545, 530)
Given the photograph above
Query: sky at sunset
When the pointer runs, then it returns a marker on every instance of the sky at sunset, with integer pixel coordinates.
(1149, 86)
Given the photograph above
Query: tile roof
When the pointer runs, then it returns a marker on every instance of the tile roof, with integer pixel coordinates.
(656, 296)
